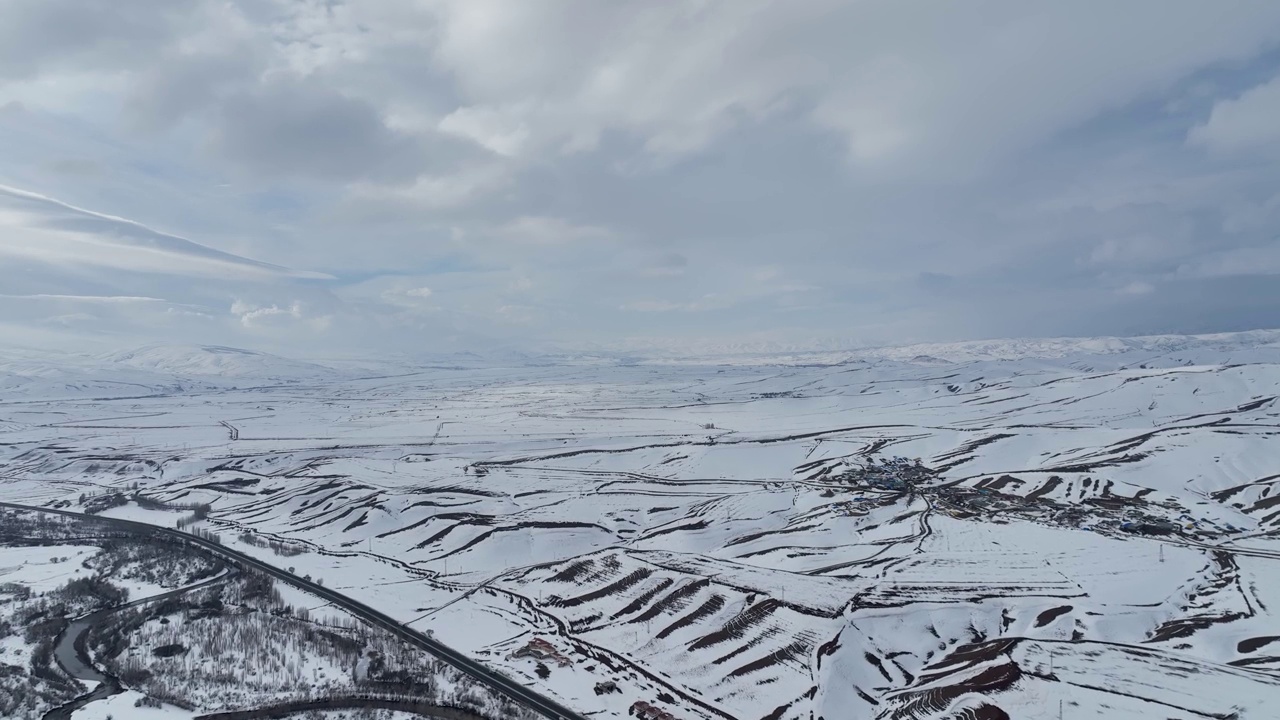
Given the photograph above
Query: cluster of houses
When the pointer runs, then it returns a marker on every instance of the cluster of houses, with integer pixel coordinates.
(541, 650)
(1139, 522)
(900, 474)
(1098, 514)
(895, 473)
(645, 711)
(1151, 527)
(965, 503)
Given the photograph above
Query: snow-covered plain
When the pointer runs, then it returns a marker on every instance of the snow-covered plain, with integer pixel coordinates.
(1096, 527)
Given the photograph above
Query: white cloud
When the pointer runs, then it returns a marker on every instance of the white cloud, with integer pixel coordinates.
(515, 314)
(577, 169)
(251, 315)
(709, 301)
(653, 306)
(907, 87)
(86, 298)
(258, 317)
(39, 228)
(1137, 287)
(541, 230)
(432, 191)
(500, 132)
(405, 296)
(1249, 122)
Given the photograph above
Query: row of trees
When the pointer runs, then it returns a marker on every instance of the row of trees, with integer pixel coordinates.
(37, 619)
(241, 645)
(277, 547)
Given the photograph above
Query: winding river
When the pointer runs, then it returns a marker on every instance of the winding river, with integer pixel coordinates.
(73, 657)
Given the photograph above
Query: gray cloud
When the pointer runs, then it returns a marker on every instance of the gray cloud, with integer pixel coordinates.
(309, 130)
(595, 173)
(43, 229)
(38, 36)
(184, 83)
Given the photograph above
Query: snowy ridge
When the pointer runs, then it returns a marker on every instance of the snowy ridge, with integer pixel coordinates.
(210, 361)
(213, 361)
(746, 541)
(1266, 341)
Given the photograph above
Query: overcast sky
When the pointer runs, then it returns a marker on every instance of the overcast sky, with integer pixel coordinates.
(434, 175)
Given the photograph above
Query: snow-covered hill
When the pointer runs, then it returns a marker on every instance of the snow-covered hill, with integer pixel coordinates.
(213, 361)
(1155, 347)
(1091, 522)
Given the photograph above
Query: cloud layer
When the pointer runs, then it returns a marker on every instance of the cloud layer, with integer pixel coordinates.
(456, 173)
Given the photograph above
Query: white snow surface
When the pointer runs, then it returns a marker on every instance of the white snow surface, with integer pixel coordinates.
(124, 706)
(1096, 523)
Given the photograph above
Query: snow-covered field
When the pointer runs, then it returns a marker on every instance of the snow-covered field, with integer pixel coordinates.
(1092, 523)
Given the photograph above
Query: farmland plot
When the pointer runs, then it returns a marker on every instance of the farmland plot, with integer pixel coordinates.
(954, 531)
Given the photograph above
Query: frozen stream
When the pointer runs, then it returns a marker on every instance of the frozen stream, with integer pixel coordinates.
(73, 657)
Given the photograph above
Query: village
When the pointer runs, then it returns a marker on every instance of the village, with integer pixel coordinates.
(987, 499)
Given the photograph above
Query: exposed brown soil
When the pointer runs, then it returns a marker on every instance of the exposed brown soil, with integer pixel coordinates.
(738, 625)
(710, 607)
(777, 657)
(990, 681)
(619, 585)
(1252, 644)
(575, 571)
(643, 598)
(1051, 614)
(675, 600)
(1049, 486)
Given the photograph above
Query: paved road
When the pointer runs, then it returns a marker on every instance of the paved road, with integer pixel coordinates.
(484, 675)
(232, 431)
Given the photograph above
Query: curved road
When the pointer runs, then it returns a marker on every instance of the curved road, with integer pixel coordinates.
(482, 674)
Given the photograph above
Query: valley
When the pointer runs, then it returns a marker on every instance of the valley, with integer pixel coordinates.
(1079, 529)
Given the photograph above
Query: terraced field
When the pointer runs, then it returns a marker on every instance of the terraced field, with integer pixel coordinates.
(973, 533)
